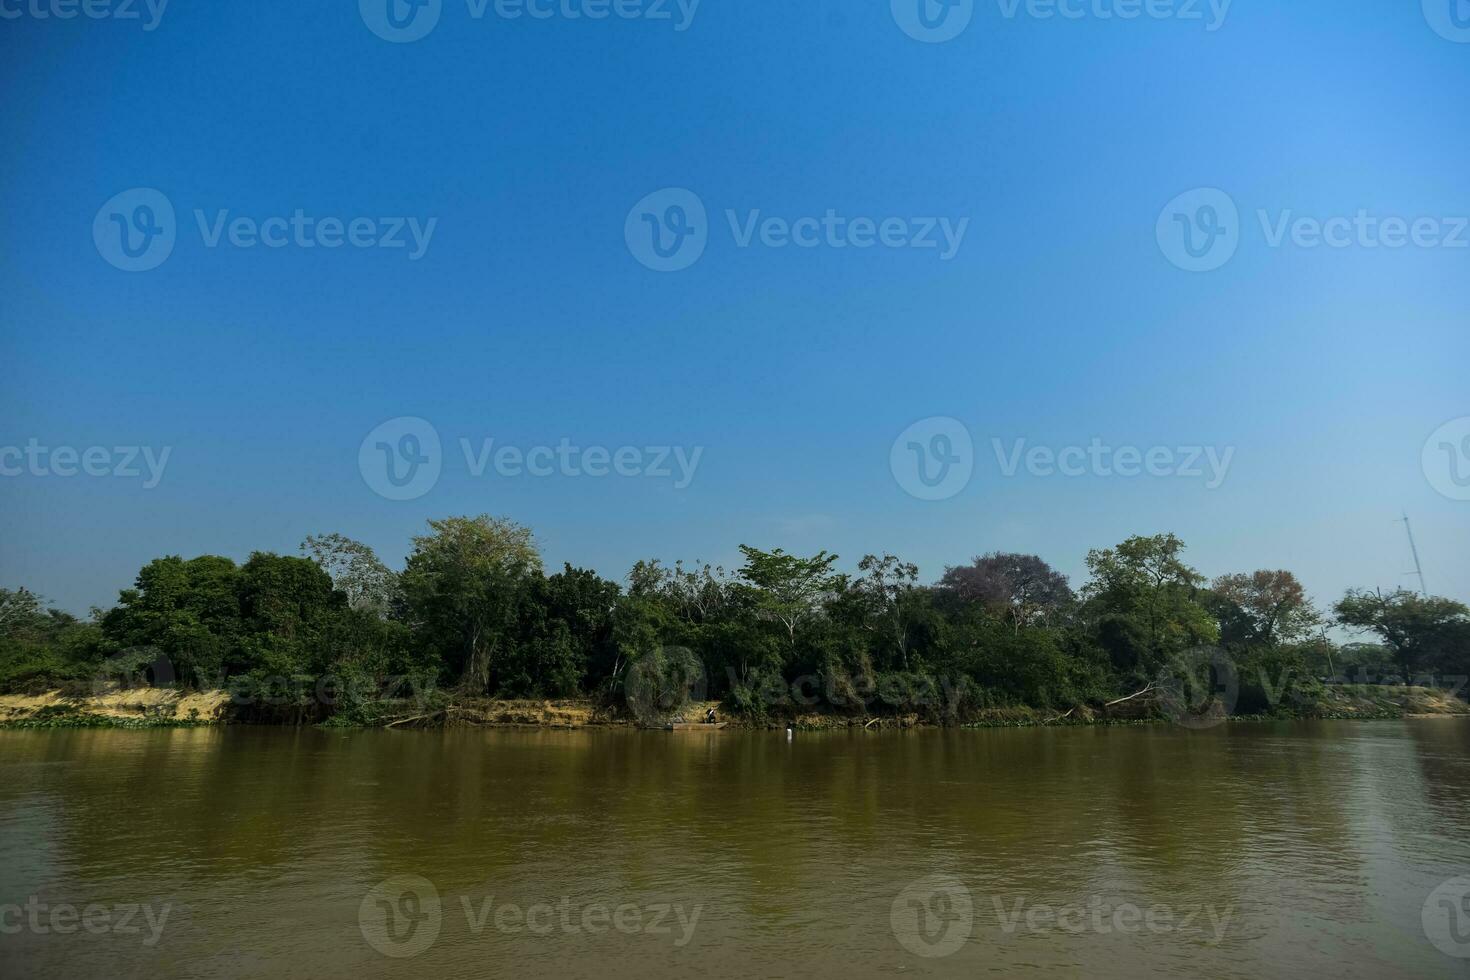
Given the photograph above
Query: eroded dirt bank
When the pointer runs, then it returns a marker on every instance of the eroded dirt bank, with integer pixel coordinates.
(152, 707)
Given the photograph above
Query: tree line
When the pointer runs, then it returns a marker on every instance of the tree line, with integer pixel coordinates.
(473, 613)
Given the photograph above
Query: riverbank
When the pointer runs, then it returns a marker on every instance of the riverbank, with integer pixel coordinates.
(131, 708)
(166, 708)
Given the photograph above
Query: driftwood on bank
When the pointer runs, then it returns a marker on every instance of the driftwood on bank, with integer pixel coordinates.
(442, 713)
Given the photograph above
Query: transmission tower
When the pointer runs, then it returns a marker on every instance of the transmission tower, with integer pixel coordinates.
(1414, 550)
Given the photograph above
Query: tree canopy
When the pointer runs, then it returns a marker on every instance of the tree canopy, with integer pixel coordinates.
(474, 611)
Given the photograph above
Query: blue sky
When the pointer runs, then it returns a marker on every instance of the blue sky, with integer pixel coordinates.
(528, 319)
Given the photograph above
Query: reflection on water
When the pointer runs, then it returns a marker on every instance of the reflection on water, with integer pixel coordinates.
(1243, 851)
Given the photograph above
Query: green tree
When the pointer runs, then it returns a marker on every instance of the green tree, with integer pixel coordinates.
(288, 611)
(660, 681)
(887, 591)
(40, 646)
(789, 589)
(286, 596)
(1421, 632)
(21, 612)
(189, 611)
(564, 644)
(1263, 608)
(697, 595)
(1147, 602)
(461, 588)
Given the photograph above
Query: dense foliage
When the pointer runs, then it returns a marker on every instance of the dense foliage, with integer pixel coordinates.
(474, 614)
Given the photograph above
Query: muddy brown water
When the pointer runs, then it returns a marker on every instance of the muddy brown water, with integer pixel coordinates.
(1246, 850)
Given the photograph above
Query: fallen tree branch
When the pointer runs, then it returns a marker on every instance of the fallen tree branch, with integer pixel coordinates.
(1130, 697)
(405, 721)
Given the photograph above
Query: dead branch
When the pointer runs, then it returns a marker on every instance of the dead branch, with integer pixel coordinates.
(1130, 697)
(405, 721)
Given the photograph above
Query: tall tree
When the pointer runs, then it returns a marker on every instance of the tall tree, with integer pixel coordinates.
(1022, 588)
(1146, 601)
(565, 643)
(887, 588)
(355, 570)
(1265, 607)
(1419, 631)
(789, 589)
(189, 611)
(696, 595)
(284, 595)
(20, 610)
(41, 643)
(461, 585)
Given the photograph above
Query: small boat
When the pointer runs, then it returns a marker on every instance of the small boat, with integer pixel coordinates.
(694, 726)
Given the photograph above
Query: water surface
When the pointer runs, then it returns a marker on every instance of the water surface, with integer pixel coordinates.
(1249, 850)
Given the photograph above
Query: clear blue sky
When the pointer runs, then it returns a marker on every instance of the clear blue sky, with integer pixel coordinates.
(528, 320)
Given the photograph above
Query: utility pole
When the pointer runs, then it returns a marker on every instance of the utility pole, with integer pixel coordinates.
(1414, 550)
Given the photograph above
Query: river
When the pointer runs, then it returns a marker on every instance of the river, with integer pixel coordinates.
(1246, 850)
